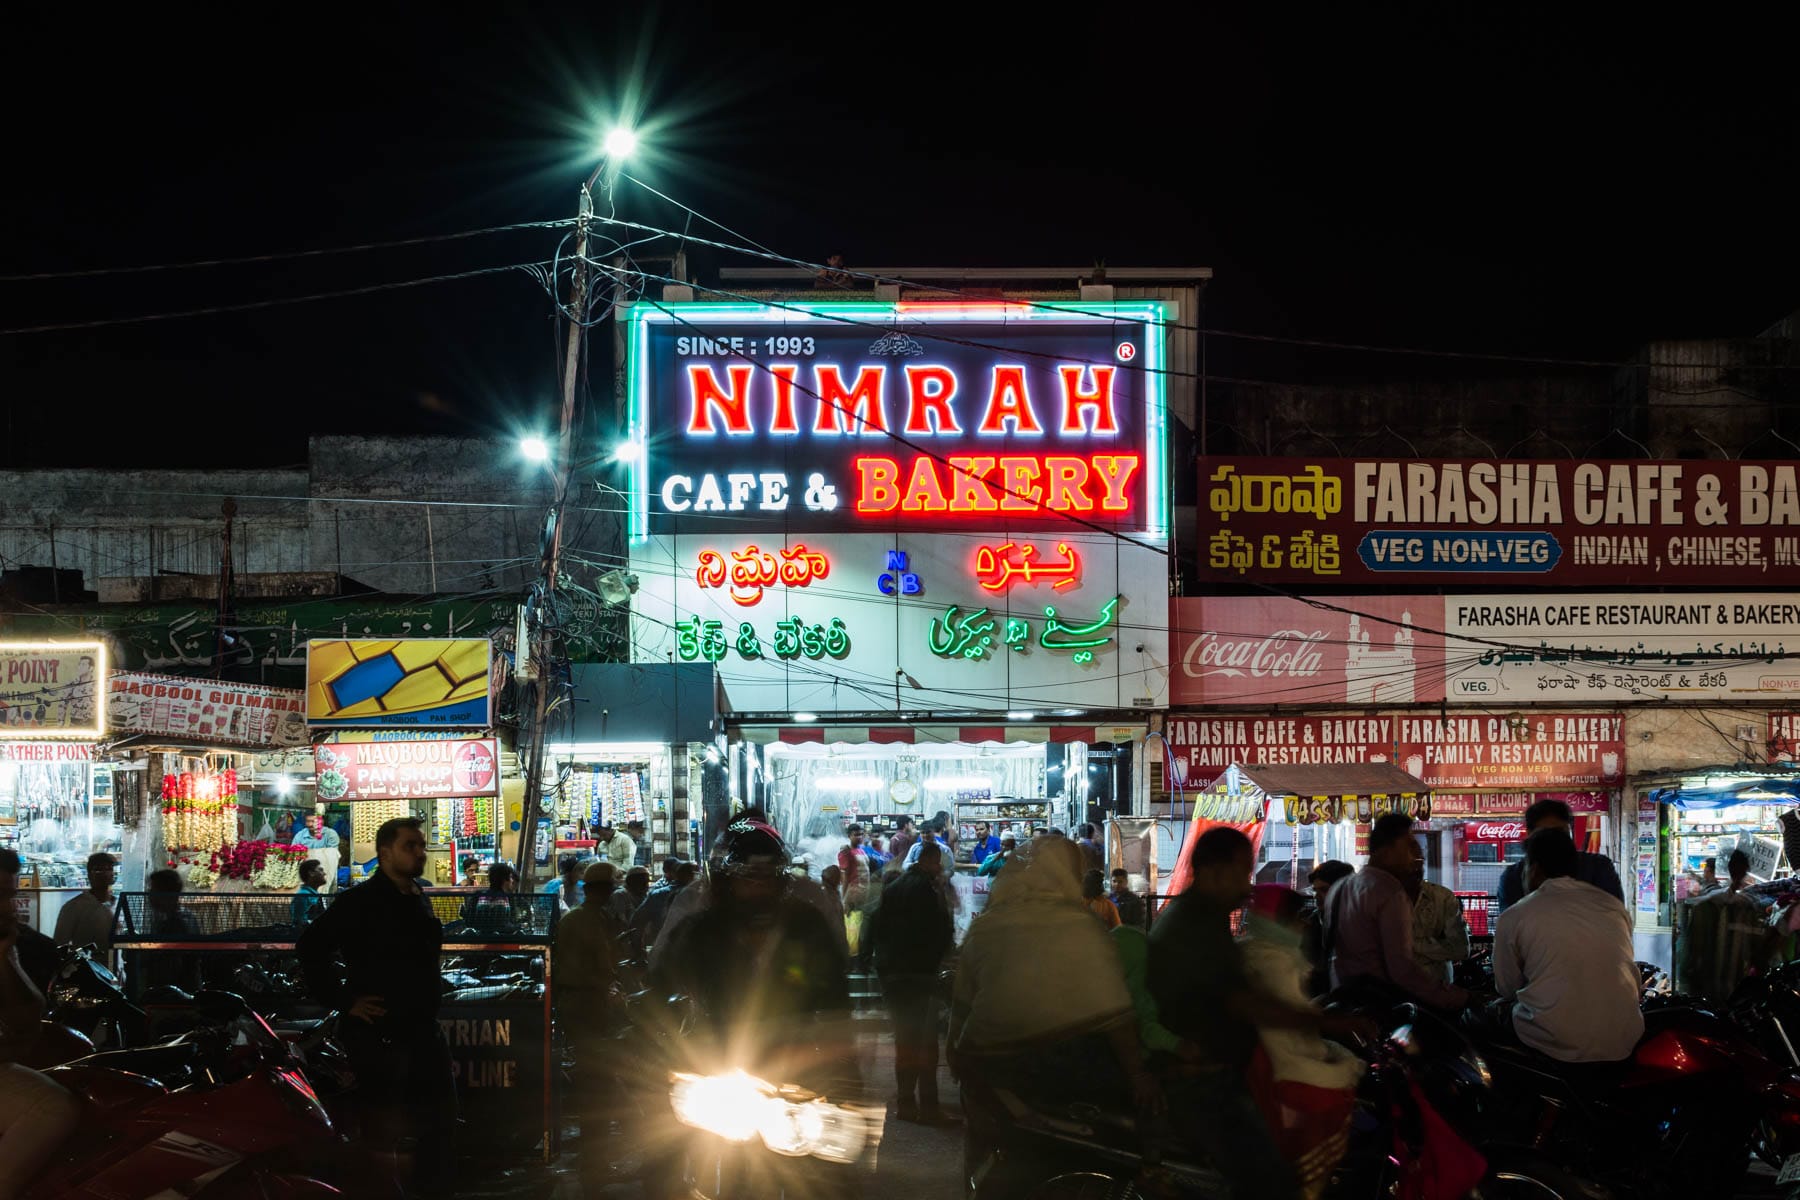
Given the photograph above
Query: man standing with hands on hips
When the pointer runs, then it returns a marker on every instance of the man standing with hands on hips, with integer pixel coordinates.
(374, 956)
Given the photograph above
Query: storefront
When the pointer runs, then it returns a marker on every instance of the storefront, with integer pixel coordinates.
(928, 560)
(56, 785)
(645, 743)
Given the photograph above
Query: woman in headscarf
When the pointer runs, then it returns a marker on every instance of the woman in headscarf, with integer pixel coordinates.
(1040, 1004)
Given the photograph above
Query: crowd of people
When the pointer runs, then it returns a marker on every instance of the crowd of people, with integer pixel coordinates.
(1207, 1020)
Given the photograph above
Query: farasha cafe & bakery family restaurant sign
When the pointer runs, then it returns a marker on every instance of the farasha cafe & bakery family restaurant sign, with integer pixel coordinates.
(877, 507)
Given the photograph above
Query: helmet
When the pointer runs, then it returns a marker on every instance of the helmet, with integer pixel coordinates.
(753, 847)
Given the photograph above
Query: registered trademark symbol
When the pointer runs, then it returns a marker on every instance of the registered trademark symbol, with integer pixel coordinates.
(1127, 351)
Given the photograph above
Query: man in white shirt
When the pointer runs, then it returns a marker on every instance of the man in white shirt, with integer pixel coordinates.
(616, 847)
(1563, 955)
(88, 919)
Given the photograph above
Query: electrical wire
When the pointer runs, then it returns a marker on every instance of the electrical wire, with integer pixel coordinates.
(278, 302)
(283, 256)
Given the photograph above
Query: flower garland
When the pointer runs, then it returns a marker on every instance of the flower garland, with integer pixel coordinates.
(199, 811)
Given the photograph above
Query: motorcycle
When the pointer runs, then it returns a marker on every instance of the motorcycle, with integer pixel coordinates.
(731, 1134)
(1678, 1118)
(222, 1112)
(1018, 1150)
(87, 996)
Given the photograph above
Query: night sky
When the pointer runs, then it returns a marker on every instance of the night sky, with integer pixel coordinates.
(1534, 188)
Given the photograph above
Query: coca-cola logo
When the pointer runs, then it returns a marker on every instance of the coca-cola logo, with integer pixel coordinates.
(474, 768)
(1282, 653)
(1499, 831)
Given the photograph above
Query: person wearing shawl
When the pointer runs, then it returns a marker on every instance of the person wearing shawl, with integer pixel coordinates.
(1310, 1088)
(1040, 1005)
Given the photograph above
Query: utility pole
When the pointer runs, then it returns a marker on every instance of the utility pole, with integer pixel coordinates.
(552, 551)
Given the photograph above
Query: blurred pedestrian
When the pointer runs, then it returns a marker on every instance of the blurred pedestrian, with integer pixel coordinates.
(992, 864)
(1088, 838)
(1128, 902)
(1093, 897)
(901, 843)
(589, 1007)
(1440, 933)
(907, 935)
(654, 911)
(566, 887)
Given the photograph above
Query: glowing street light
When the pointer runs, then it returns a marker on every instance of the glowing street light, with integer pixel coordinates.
(620, 143)
(535, 449)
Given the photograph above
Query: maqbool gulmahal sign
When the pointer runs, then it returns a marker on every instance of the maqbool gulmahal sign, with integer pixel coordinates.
(52, 689)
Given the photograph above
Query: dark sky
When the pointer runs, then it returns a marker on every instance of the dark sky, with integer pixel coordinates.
(1533, 187)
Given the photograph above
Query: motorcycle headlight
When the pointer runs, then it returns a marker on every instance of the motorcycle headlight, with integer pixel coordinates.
(740, 1107)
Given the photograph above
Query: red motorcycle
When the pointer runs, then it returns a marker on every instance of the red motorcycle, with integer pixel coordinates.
(222, 1112)
(1677, 1119)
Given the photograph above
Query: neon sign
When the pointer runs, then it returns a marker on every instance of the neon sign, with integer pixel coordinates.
(996, 567)
(700, 639)
(806, 417)
(897, 580)
(752, 569)
(974, 634)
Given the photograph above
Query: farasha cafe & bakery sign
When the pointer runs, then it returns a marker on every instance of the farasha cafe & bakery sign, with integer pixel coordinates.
(1583, 523)
(878, 507)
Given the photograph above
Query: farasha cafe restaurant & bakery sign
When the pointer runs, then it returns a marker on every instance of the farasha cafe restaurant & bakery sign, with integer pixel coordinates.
(854, 507)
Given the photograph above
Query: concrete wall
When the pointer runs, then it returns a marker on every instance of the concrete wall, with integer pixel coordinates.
(391, 513)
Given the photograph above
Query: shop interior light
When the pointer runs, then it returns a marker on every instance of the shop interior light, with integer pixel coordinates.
(284, 786)
(1020, 715)
(806, 716)
(945, 783)
(848, 783)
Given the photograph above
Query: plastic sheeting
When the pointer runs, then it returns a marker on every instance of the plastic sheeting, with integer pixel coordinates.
(808, 779)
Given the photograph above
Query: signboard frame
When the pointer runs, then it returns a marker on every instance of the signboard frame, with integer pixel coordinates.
(901, 325)
(75, 652)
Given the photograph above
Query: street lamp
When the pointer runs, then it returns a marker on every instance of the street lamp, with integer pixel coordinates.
(618, 145)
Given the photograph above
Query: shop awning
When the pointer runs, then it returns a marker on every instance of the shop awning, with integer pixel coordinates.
(1354, 779)
(1727, 790)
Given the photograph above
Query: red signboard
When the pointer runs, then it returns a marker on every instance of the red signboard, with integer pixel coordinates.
(1539, 752)
(1272, 650)
(1202, 747)
(1494, 831)
(1784, 737)
(408, 770)
(1524, 523)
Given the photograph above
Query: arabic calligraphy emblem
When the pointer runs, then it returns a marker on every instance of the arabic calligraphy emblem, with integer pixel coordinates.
(996, 567)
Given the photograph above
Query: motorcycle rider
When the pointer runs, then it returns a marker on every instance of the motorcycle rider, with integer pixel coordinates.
(1594, 869)
(388, 988)
(1564, 962)
(1368, 921)
(1204, 994)
(764, 966)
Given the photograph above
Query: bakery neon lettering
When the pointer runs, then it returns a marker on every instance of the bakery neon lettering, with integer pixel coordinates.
(705, 395)
(985, 484)
(1009, 400)
(929, 391)
(1076, 400)
(858, 408)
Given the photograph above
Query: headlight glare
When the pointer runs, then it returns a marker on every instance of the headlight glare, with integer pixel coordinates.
(740, 1107)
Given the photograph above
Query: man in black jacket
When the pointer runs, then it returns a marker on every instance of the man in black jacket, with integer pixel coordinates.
(388, 941)
(908, 934)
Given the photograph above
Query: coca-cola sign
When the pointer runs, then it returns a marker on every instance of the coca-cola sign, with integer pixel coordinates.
(1494, 831)
(1273, 650)
(1286, 652)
